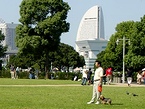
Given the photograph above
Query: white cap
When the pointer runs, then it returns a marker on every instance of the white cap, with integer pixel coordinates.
(143, 69)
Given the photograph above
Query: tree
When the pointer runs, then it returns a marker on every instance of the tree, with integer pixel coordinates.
(21, 61)
(67, 57)
(42, 23)
(113, 55)
(2, 48)
(134, 53)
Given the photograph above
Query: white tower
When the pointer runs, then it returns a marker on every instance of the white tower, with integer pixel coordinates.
(90, 37)
(8, 29)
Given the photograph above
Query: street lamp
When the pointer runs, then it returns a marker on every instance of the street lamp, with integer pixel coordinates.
(124, 39)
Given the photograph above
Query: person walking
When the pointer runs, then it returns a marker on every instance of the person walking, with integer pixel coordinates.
(98, 77)
(109, 75)
(143, 75)
(89, 76)
(139, 77)
(12, 71)
(84, 76)
(129, 76)
(17, 73)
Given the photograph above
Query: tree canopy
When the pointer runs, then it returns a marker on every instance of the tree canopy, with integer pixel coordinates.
(42, 23)
(134, 55)
(64, 57)
(2, 48)
(67, 57)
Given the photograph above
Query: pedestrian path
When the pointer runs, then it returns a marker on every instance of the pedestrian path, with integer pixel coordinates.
(125, 85)
(74, 85)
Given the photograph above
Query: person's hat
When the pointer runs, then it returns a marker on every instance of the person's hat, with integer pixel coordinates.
(143, 69)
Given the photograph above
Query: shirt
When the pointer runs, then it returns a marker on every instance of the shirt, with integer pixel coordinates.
(84, 73)
(98, 73)
(109, 71)
(129, 73)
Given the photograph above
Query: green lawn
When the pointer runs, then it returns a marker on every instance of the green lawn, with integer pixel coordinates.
(9, 81)
(64, 97)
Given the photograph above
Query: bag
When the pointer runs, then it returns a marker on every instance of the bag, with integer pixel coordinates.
(100, 88)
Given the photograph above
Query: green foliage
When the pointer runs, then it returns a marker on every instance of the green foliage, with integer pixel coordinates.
(23, 75)
(134, 55)
(66, 56)
(36, 66)
(4, 73)
(65, 75)
(38, 36)
(2, 48)
(21, 61)
(42, 23)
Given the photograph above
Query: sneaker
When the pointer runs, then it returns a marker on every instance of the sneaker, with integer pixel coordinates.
(97, 102)
(129, 84)
(90, 102)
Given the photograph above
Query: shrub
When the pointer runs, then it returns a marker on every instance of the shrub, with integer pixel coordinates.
(5, 73)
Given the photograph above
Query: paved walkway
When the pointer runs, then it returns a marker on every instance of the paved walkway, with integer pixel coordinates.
(134, 84)
(125, 85)
(112, 85)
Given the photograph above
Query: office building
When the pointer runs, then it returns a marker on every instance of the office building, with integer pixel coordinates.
(91, 37)
(8, 29)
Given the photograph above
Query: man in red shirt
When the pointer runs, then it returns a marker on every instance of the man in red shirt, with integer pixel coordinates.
(109, 75)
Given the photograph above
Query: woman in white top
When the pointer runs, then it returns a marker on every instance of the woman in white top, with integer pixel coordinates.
(84, 76)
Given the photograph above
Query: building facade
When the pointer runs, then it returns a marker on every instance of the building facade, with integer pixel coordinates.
(91, 37)
(8, 29)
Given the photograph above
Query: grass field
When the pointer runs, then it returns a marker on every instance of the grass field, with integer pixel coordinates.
(64, 94)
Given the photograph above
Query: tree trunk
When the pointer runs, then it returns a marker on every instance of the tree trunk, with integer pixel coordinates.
(67, 68)
(46, 66)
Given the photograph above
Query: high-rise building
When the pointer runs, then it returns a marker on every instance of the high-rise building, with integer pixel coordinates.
(90, 37)
(8, 29)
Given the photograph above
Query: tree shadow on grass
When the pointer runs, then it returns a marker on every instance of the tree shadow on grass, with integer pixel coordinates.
(117, 104)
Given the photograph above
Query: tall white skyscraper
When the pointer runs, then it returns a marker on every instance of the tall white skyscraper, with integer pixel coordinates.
(8, 29)
(91, 37)
(92, 25)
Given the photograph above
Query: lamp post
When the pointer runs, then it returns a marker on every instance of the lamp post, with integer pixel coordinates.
(124, 39)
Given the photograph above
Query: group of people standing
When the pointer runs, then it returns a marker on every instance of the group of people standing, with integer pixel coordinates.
(86, 76)
(140, 76)
(14, 72)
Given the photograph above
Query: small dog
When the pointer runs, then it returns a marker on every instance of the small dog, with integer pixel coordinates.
(105, 100)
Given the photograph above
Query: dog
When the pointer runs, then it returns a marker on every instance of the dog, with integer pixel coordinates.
(105, 100)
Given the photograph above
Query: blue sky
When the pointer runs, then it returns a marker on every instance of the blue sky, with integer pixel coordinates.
(114, 11)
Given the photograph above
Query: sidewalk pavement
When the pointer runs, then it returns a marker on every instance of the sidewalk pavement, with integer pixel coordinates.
(126, 85)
